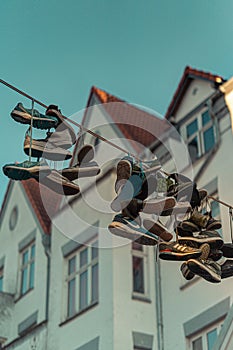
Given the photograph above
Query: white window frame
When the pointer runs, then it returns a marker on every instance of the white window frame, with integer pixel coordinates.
(203, 335)
(28, 265)
(199, 134)
(76, 276)
(143, 254)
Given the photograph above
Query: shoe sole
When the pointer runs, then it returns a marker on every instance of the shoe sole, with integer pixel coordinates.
(188, 275)
(203, 271)
(55, 184)
(20, 173)
(38, 150)
(215, 243)
(157, 229)
(73, 174)
(133, 235)
(159, 206)
(124, 170)
(214, 226)
(179, 209)
(177, 256)
(39, 123)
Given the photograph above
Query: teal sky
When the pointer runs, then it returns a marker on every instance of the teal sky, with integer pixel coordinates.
(137, 50)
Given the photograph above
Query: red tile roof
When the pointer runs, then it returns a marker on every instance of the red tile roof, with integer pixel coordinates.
(188, 75)
(136, 124)
(34, 192)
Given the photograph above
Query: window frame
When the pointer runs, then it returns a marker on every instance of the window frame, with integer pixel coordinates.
(199, 133)
(76, 275)
(144, 255)
(30, 279)
(203, 334)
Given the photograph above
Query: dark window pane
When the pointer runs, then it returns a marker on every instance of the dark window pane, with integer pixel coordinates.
(94, 283)
(192, 128)
(94, 250)
(83, 257)
(31, 280)
(193, 149)
(138, 275)
(25, 257)
(205, 118)
(1, 283)
(209, 140)
(33, 251)
(197, 344)
(83, 290)
(24, 280)
(211, 337)
(72, 265)
(71, 297)
(137, 246)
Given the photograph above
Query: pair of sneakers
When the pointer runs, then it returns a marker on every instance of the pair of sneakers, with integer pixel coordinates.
(198, 221)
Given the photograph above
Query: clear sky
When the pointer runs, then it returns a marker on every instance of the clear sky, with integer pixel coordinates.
(56, 50)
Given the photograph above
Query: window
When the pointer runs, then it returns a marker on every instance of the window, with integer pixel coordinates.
(200, 135)
(1, 279)
(206, 339)
(82, 279)
(140, 269)
(27, 268)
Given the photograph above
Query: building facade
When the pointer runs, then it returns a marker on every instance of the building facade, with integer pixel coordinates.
(66, 282)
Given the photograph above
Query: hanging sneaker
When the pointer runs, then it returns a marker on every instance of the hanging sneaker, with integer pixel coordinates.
(227, 269)
(159, 205)
(183, 233)
(44, 148)
(59, 184)
(128, 228)
(157, 229)
(24, 115)
(54, 112)
(211, 237)
(26, 170)
(216, 254)
(207, 269)
(186, 272)
(85, 167)
(227, 250)
(176, 251)
(179, 208)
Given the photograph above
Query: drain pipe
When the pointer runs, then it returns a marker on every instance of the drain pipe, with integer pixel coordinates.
(159, 306)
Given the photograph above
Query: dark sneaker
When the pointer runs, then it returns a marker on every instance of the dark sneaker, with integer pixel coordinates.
(157, 229)
(227, 269)
(176, 251)
(211, 237)
(128, 228)
(208, 269)
(199, 219)
(133, 209)
(202, 194)
(59, 184)
(124, 171)
(216, 254)
(158, 205)
(186, 272)
(183, 233)
(53, 112)
(85, 166)
(179, 208)
(188, 225)
(213, 224)
(44, 148)
(40, 121)
(26, 170)
(227, 250)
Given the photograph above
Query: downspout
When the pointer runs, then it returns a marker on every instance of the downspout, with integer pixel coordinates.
(46, 243)
(158, 304)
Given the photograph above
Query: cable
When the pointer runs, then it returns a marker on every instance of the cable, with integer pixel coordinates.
(82, 128)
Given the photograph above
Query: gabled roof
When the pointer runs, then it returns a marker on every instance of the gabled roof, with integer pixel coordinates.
(136, 124)
(34, 192)
(188, 75)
